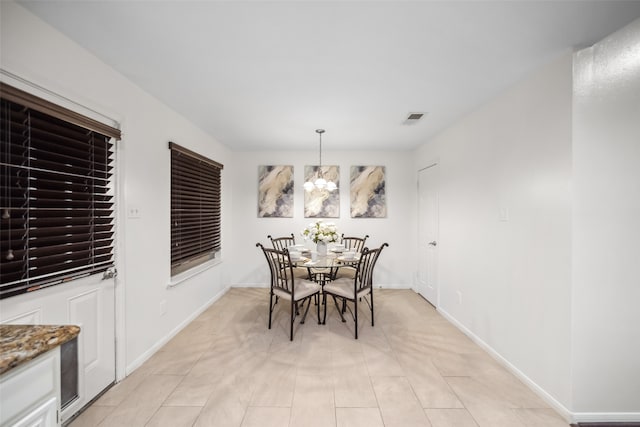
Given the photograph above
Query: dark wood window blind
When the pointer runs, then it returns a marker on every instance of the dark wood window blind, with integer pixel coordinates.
(56, 209)
(195, 209)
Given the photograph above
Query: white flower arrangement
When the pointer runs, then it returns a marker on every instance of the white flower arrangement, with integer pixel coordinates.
(321, 232)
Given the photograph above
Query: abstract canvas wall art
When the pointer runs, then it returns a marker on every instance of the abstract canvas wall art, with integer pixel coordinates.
(368, 192)
(322, 203)
(275, 191)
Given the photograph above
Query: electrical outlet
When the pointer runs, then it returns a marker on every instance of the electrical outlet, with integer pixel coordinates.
(459, 297)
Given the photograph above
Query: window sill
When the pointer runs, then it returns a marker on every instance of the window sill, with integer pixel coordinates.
(184, 276)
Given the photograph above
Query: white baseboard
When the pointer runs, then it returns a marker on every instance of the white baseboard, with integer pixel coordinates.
(160, 343)
(250, 285)
(391, 286)
(606, 417)
(560, 408)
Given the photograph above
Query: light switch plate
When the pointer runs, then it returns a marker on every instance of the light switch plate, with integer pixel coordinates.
(133, 212)
(504, 214)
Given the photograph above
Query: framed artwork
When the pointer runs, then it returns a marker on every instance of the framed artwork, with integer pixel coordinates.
(368, 192)
(322, 203)
(275, 191)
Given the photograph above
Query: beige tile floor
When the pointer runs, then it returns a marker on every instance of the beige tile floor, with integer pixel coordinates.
(412, 369)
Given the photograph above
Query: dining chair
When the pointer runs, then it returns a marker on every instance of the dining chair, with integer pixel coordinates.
(284, 285)
(355, 244)
(282, 243)
(354, 290)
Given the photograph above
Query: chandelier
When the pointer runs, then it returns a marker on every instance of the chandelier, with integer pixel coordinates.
(320, 183)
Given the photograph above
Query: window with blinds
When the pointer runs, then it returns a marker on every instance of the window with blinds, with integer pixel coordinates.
(56, 209)
(195, 209)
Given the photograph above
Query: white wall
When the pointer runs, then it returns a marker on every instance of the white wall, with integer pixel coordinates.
(247, 266)
(34, 51)
(513, 153)
(606, 228)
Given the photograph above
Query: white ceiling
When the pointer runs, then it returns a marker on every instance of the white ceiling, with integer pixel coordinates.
(264, 75)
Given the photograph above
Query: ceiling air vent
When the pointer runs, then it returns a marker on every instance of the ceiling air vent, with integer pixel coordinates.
(413, 118)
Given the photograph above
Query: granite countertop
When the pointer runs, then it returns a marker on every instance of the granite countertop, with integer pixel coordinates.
(21, 343)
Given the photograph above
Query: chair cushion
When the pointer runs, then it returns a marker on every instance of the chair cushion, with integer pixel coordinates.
(303, 289)
(344, 288)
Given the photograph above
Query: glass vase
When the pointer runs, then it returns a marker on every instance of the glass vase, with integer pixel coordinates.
(322, 248)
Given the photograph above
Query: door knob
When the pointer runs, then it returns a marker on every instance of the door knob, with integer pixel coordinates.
(434, 243)
(110, 273)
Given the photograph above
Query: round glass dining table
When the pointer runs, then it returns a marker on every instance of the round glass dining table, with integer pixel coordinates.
(323, 268)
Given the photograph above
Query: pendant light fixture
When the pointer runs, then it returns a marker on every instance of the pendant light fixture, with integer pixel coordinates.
(320, 183)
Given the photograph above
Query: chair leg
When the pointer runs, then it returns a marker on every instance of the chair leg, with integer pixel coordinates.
(293, 315)
(371, 296)
(304, 316)
(338, 307)
(318, 306)
(324, 302)
(355, 309)
(271, 307)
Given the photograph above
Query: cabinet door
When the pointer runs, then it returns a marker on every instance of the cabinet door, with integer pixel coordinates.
(30, 392)
(45, 415)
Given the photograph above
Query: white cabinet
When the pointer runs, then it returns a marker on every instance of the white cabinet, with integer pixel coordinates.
(45, 415)
(30, 393)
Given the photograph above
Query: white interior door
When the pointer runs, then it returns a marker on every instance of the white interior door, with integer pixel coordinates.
(428, 233)
(88, 303)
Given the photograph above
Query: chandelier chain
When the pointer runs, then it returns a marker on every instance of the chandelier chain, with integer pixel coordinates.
(320, 150)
